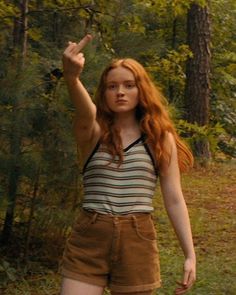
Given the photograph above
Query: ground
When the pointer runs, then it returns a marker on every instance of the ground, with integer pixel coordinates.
(210, 196)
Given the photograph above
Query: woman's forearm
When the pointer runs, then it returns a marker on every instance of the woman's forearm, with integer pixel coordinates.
(85, 108)
(179, 217)
(73, 64)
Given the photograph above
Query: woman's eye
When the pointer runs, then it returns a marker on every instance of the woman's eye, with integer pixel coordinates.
(111, 86)
(130, 86)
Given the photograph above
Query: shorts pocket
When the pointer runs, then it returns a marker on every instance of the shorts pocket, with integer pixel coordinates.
(82, 223)
(145, 230)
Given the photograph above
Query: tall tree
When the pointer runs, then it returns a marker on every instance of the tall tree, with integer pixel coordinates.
(197, 91)
(20, 47)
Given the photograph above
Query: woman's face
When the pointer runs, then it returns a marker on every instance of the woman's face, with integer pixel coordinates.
(121, 91)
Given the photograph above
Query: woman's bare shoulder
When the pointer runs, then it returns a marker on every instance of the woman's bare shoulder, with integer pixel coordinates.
(169, 140)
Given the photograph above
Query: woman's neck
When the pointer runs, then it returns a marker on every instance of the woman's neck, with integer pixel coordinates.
(128, 126)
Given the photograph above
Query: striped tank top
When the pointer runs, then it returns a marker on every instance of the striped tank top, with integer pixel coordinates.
(128, 188)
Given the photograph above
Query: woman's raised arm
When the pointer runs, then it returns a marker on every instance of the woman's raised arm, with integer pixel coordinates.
(85, 124)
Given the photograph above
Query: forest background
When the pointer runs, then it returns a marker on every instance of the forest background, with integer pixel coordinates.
(40, 179)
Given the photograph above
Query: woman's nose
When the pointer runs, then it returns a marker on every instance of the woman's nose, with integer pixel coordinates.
(120, 91)
(120, 94)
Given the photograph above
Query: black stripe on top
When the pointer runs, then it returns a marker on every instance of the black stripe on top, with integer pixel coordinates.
(142, 137)
(97, 146)
(90, 157)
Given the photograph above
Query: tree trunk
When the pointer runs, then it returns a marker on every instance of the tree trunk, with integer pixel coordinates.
(24, 30)
(12, 191)
(20, 47)
(173, 46)
(197, 91)
(31, 215)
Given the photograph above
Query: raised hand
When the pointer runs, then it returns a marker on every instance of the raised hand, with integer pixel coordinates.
(73, 59)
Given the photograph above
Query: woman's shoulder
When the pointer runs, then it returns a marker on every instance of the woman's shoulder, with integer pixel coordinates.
(169, 139)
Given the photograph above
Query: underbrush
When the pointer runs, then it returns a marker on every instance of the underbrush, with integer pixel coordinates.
(209, 194)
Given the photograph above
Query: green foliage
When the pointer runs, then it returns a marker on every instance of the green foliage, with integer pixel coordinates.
(225, 114)
(7, 11)
(223, 64)
(195, 133)
(170, 68)
(7, 273)
(140, 29)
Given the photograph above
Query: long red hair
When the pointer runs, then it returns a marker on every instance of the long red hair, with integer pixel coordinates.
(151, 113)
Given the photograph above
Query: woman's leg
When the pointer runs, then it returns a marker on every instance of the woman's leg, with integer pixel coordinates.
(73, 287)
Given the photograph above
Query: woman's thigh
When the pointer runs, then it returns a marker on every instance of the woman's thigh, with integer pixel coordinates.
(73, 287)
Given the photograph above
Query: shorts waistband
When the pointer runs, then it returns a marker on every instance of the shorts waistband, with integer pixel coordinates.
(115, 217)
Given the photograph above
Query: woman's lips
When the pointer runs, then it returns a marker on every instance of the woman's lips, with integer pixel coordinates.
(121, 101)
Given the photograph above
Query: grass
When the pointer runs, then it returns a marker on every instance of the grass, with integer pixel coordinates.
(209, 194)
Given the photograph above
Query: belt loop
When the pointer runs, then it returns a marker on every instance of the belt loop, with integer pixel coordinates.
(94, 218)
(134, 221)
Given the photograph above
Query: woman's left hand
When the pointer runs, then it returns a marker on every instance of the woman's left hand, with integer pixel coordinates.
(189, 276)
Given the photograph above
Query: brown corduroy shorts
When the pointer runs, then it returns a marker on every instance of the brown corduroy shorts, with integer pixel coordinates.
(115, 251)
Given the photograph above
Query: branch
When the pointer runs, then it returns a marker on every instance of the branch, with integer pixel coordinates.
(87, 8)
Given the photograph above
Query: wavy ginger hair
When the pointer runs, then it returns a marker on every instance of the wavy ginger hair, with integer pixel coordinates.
(151, 113)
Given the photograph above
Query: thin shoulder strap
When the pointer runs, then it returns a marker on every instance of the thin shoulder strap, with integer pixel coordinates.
(151, 154)
(91, 155)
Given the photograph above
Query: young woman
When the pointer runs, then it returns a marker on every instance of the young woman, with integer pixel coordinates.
(126, 141)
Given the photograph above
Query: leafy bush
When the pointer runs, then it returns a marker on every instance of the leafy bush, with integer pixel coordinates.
(215, 135)
(7, 273)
